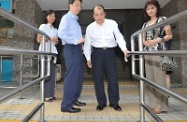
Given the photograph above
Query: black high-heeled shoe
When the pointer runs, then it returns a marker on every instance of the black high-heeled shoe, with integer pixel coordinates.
(48, 100)
(53, 98)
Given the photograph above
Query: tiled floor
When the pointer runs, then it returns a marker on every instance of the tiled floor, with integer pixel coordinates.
(16, 109)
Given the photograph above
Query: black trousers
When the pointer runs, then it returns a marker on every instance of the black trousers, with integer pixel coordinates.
(104, 60)
(50, 83)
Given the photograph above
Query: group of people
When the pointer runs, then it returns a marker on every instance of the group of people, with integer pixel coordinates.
(102, 36)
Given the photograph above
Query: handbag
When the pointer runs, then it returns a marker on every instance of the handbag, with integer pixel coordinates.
(167, 63)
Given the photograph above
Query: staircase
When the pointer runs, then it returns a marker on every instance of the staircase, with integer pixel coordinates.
(123, 70)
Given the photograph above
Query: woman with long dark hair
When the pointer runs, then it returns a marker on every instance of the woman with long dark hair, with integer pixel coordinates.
(49, 28)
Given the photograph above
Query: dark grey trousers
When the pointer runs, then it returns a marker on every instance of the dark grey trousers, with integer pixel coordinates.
(50, 83)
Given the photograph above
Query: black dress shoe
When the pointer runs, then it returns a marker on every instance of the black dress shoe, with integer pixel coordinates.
(71, 110)
(53, 98)
(100, 107)
(116, 107)
(78, 103)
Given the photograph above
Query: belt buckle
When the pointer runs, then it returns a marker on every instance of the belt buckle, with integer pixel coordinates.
(104, 48)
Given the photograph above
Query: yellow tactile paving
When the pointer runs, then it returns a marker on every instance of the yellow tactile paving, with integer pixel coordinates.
(121, 82)
(16, 121)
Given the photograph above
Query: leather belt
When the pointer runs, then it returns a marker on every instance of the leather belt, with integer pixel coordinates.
(103, 48)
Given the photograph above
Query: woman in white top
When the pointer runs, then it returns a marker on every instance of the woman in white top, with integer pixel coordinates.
(49, 28)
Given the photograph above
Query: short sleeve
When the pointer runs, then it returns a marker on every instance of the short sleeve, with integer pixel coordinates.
(42, 27)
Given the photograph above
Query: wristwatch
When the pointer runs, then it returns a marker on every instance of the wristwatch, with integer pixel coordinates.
(163, 39)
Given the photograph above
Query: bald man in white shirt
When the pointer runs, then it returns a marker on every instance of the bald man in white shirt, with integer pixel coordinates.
(102, 36)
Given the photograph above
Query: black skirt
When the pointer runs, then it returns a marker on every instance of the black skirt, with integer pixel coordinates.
(168, 72)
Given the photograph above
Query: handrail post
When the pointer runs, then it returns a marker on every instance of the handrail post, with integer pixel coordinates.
(49, 58)
(21, 74)
(133, 56)
(31, 65)
(43, 82)
(48, 65)
(1, 69)
(141, 62)
(50, 43)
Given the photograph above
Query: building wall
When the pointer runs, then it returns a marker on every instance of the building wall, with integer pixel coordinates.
(129, 21)
(182, 6)
(179, 38)
(29, 11)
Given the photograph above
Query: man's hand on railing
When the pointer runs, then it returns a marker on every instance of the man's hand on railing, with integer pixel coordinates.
(126, 53)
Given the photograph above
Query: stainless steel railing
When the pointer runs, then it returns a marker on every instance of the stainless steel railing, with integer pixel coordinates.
(21, 52)
(141, 53)
(16, 19)
(37, 73)
(30, 84)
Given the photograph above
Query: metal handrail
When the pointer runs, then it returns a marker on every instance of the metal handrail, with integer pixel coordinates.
(38, 73)
(25, 86)
(141, 77)
(173, 53)
(35, 110)
(15, 19)
(166, 91)
(5, 50)
(43, 53)
(39, 80)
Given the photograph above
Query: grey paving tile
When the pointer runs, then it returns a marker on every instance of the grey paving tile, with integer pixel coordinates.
(176, 109)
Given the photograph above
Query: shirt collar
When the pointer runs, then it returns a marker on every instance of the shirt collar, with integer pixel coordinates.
(72, 15)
